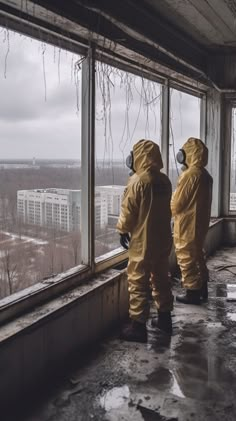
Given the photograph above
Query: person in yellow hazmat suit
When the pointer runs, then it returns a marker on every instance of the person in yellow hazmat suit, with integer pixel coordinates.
(145, 230)
(191, 209)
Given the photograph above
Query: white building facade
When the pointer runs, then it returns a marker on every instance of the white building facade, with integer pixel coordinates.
(61, 208)
(113, 196)
(54, 208)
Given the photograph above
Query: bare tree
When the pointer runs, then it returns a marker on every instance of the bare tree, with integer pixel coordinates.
(76, 246)
(9, 269)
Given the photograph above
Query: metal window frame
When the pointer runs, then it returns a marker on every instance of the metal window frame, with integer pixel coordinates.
(109, 259)
(119, 255)
(88, 160)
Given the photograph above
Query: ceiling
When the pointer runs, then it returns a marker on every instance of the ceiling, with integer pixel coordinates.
(181, 39)
(211, 23)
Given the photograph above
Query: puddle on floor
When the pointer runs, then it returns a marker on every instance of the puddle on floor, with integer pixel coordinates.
(231, 316)
(151, 415)
(221, 290)
(214, 325)
(175, 389)
(114, 398)
(231, 292)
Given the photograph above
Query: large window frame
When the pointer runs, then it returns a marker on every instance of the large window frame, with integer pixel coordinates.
(39, 293)
(117, 255)
(230, 104)
(231, 212)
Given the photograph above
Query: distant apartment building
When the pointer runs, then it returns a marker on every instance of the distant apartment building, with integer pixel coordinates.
(113, 195)
(58, 208)
(61, 208)
(232, 201)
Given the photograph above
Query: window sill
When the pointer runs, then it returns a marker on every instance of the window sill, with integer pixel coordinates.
(24, 300)
(21, 301)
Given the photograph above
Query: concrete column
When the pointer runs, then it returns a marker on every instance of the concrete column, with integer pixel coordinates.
(214, 144)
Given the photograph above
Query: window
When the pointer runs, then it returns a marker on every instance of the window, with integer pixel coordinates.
(127, 110)
(184, 123)
(40, 153)
(40, 168)
(232, 204)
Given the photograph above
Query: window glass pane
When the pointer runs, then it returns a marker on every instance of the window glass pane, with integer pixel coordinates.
(40, 161)
(127, 110)
(184, 123)
(232, 205)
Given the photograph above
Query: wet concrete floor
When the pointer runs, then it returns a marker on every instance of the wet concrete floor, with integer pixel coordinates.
(190, 376)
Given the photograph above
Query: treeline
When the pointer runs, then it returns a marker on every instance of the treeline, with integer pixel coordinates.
(12, 180)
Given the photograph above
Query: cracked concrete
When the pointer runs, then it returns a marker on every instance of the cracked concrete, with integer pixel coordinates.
(191, 376)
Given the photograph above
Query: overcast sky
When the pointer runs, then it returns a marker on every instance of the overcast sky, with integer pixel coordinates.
(38, 105)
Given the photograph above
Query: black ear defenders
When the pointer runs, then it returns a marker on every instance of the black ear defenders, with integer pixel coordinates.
(181, 157)
(130, 161)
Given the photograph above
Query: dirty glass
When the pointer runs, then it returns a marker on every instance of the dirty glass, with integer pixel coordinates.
(40, 161)
(184, 123)
(127, 110)
(232, 203)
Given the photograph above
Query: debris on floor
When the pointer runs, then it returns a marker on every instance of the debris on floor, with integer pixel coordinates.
(190, 376)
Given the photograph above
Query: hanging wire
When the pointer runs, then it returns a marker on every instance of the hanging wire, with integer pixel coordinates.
(112, 82)
(6, 39)
(43, 46)
(172, 135)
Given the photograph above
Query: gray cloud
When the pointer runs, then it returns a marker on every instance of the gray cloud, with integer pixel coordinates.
(31, 126)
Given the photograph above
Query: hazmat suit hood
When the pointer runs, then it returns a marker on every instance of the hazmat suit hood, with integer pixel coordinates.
(196, 153)
(147, 156)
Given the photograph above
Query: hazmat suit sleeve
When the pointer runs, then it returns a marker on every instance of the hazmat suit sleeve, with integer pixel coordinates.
(183, 194)
(129, 208)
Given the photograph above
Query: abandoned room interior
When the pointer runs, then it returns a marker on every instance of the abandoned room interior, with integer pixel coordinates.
(81, 81)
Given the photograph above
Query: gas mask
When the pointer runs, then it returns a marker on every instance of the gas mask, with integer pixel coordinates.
(181, 159)
(130, 162)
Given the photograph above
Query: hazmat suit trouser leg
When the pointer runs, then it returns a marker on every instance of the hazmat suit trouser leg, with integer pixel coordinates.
(138, 286)
(139, 275)
(192, 263)
(204, 273)
(161, 286)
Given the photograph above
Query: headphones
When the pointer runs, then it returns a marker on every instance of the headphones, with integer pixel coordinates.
(181, 157)
(130, 161)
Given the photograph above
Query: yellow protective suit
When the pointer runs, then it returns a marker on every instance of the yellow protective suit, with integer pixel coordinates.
(145, 214)
(191, 209)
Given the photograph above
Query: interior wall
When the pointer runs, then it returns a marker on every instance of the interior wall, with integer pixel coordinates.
(229, 232)
(37, 347)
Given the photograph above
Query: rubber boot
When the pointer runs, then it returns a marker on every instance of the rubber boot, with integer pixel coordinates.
(163, 322)
(192, 296)
(204, 292)
(134, 332)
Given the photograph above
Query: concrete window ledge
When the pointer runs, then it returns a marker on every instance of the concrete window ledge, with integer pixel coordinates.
(36, 344)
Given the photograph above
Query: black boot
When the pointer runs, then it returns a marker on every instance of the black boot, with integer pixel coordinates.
(192, 296)
(204, 292)
(134, 332)
(163, 322)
